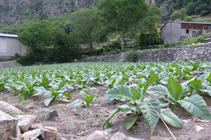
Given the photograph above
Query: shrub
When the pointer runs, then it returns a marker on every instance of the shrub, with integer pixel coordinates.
(132, 56)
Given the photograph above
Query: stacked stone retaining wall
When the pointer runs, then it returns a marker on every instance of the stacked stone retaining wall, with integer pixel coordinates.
(9, 64)
(201, 52)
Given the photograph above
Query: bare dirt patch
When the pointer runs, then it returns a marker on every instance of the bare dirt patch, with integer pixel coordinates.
(78, 123)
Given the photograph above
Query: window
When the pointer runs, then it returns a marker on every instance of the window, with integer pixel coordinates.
(187, 31)
(3, 45)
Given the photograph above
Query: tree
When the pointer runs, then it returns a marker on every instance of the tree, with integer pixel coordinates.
(120, 15)
(36, 35)
(188, 19)
(176, 15)
(85, 24)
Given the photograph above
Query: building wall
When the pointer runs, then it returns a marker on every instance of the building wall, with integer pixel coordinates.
(171, 32)
(11, 46)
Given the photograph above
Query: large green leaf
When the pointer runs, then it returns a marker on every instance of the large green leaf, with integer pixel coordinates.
(130, 123)
(149, 113)
(195, 84)
(123, 108)
(75, 104)
(120, 92)
(145, 87)
(89, 99)
(158, 89)
(169, 117)
(48, 101)
(136, 93)
(196, 106)
(175, 89)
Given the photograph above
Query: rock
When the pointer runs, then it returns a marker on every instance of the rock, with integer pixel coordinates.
(51, 114)
(154, 138)
(61, 138)
(16, 134)
(97, 135)
(9, 108)
(31, 106)
(198, 128)
(119, 136)
(130, 138)
(49, 133)
(25, 121)
(36, 126)
(34, 139)
(33, 133)
(7, 125)
(25, 138)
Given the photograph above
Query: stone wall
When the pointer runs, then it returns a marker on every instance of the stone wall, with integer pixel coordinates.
(201, 52)
(9, 64)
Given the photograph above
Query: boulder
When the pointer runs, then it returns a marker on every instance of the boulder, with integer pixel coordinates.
(9, 108)
(16, 134)
(36, 126)
(131, 138)
(7, 125)
(49, 133)
(97, 135)
(32, 134)
(119, 136)
(25, 121)
(51, 114)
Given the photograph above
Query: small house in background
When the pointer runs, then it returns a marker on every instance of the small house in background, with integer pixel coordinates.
(9, 46)
(178, 31)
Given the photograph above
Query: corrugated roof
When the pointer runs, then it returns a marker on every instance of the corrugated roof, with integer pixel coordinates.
(183, 22)
(8, 35)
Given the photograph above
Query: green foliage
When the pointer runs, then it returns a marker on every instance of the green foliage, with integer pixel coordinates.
(132, 56)
(87, 100)
(188, 19)
(145, 40)
(119, 15)
(199, 39)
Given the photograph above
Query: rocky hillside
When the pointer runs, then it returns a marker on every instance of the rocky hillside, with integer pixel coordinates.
(18, 11)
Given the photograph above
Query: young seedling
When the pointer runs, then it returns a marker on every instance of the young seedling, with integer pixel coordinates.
(87, 100)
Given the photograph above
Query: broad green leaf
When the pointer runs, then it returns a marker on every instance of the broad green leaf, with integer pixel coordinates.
(75, 104)
(130, 123)
(163, 102)
(89, 99)
(83, 94)
(170, 118)
(120, 92)
(196, 106)
(48, 101)
(208, 90)
(175, 89)
(68, 95)
(204, 76)
(195, 84)
(149, 113)
(145, 87)
(136, 93)
(209, 78)
(123, 108)
(158, 89)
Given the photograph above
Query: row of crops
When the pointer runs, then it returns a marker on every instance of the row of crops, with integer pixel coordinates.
(180, 84)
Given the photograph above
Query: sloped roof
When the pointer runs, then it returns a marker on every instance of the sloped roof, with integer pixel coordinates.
(183, 22)
(8, 35)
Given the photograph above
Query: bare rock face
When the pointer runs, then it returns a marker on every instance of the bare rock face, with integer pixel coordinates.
(97, 135)
(16, 134)
(25, 121)
(9, 108)
(49, 133)
(119, 136)
(7, 125)
(32, 134)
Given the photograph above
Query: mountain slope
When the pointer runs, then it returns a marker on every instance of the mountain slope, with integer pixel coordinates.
(18, 11)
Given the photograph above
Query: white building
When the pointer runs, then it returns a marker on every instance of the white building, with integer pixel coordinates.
(9, 45)
(177, 31)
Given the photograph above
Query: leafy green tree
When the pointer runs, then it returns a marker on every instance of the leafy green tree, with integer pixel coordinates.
(85, 24)
(36, 35)
(188, 19)
(44, 16)
(120, 15)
